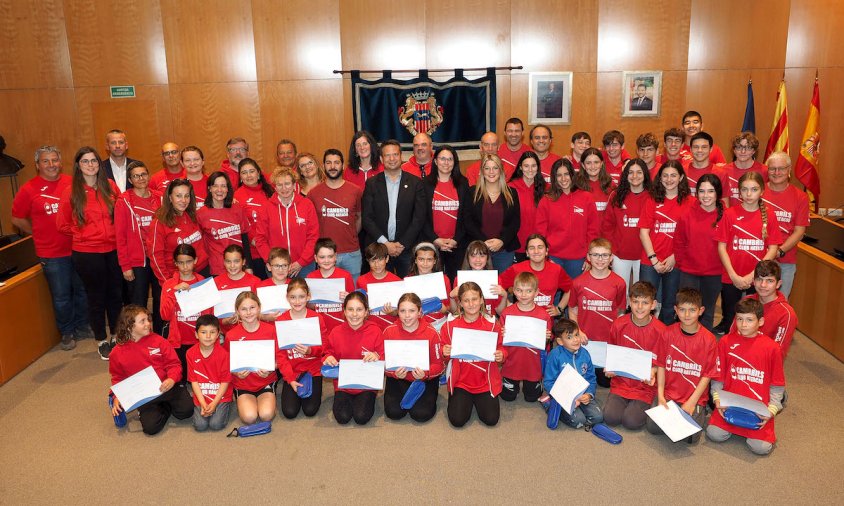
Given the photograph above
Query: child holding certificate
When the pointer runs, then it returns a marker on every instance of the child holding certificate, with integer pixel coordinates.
(376, 256)
(629, 398)
(302, 358)
(255, 390)
(473, 383)
(410, 327)
(209, 376)
(278, 265)
(325, 255)
(356, 339)
(686, 361)
(749, 364)
(138, 348)
(426, 260)
(235, 277)
(569, 351)
(523, 363)
(479, 258)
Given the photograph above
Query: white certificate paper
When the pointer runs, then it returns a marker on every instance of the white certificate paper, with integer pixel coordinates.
(629, 362)
(409, 354)
(674, 422)
(252, 355)
(729, 399)
(598, 351)
(525, 331)
(484, 279)
(360, 375)
(382, 293)
(273, 298)
(225, 307)
(199, 297)
(303, 331)
(137, 389)
(326, 290)
(427, 285)
(468, 344)
(569, 386)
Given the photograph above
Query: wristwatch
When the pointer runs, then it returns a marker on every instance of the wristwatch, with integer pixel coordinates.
(780, 253)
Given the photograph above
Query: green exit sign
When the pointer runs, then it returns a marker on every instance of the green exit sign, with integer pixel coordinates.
(122, 92)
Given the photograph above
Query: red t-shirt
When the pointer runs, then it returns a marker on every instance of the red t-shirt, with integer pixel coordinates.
(624, 332)
(615, 170)
(378, 317)
(715, 155)
(732, 175)
(362, 176)
(200, 190)
(695, 245)
(509, 158)
(423, 332)
(569, 223)
(182, 326)
(741, 231)
(312, 362)
(333, 312)
(621, 225)
(162, 179)
(220, 229)
(598, 302)
(661, 220)
(523, 363)
(445, 206)
(265, 332)
(600, 197)
(687, 359)
(437, 315)
(780, 321)
(474, 376)
(791, 206)
(209, 372)
(552, 277)
(693, 175)
(38, 201)
(545, 166)
(337, 212)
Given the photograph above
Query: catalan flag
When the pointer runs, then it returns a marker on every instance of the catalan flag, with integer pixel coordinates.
(806, 168)
(779, 131)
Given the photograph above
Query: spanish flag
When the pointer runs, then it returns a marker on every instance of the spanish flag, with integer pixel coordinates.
(779, 132)
(806, 168)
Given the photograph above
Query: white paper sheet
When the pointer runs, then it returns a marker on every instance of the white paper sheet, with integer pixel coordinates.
(525, 331)
(484, 279)
(598, 352)
(568, 387)
(629, 362)
(381, 293)
(427, 285)
(303, 331)
(326, 290)
(729, 399)
(137, 389)
(199, 297)
(409, 354)
(674, 422)
(360, 375)
(252, 355)
(273, 298)
(225, 307)
(468, 344)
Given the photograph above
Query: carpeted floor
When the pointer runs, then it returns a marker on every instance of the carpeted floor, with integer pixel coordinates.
(58, 445)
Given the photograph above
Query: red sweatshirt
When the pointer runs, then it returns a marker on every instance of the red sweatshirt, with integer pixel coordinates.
(661, 221)
(344, 342)
(294, 227)
(253, 199)
(569, 223)
(333, 312)
(182, 326)
(311, 362)
(474, 376)
(527, 212)
(253, 382)
(523, 363)
(220, 229)
(163, 241)
(134, 356)
(378, 317)
(162, 179)
(132, 218)
(423, 332)
(695, 246)
(97, 234)
(621, 225)
(648, 338)
(780, 321)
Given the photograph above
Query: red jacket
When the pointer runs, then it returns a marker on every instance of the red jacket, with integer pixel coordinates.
(474, 376)
(346, 343)
(163, 241)
(569, 223)
(523, 363)
(295, 227)
(152, 350)
(253, 382)
(423, 332)
(313, 361)
(182, 327)
(220, 229)
(97, 234)
(132, 217)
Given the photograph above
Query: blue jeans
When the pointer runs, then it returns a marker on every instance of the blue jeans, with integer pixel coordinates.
(216, 421)
(788, 272)
(351, 262)
(501, 260)
(70, 303)
(666, 286)
(306, 269)
(573, 267)
(585, 414)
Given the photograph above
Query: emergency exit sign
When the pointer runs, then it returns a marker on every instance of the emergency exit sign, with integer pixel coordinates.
(122, 92)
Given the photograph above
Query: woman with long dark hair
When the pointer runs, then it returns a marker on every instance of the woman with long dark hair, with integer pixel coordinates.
(175, 223)
(529, 184)
(364, 162)
(446, 188)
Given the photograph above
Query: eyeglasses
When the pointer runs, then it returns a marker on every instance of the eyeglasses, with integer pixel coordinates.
(279, 267)
(88, 161)
(779, 169)
(238, 150)
(306, 164)
(602, 256)
(445, 160)
(170, 153)
(743, 148)
(142, 175)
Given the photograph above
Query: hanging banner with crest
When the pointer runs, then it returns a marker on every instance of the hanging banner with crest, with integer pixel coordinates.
(457, 111)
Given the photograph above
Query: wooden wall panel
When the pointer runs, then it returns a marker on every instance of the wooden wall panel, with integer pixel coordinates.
(562, 36)
(209, 41)
(299, 39)
(207, 115)
(115, 43)
(464, 34)
(378, 35)
(815, 34)
(34, 42)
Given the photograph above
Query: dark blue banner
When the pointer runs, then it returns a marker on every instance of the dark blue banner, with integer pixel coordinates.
(457, 112)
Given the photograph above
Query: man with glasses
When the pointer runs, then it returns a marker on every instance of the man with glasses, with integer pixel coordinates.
(745, 145)
(672, 144)
(236, 150)
(489, 146)
(34, 212)
(117, 161)
(171, 157)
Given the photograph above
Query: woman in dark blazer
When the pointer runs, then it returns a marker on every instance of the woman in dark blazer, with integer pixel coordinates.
(491, 213)
(445, 189)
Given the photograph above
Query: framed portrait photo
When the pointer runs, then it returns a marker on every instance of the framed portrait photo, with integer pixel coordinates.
(549, 98)
(641, 92)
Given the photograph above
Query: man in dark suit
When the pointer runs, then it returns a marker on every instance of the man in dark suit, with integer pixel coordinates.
(117, 162)
(394, 209)
(641, 102)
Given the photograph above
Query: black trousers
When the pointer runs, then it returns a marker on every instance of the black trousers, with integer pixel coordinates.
(103, 280)
(360, 406)
(291, 403)
(176, 402)
(730, 295)
(532, 390)
(424, 409)
(139, 290)
(460, 403)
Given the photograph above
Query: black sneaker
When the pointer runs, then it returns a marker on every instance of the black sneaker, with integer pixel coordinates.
(68, 342)
(104, 349)
(720, 330)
